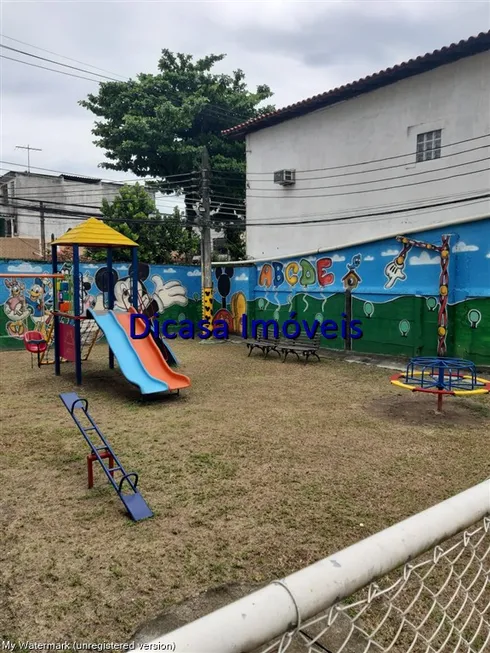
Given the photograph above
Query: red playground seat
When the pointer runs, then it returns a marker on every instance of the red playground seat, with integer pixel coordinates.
(35, 344)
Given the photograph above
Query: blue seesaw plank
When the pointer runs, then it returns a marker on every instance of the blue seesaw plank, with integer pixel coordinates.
(131, 498)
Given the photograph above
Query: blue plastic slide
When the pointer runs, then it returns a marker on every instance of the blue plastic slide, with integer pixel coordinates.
(129, 362)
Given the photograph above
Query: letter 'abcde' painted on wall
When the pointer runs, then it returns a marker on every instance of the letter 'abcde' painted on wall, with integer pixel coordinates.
(291, 273)
(265, 278)
(305, 273)
(325, 278)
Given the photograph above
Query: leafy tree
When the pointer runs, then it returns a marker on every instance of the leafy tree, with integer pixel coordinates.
(157, 125)
(160, 241)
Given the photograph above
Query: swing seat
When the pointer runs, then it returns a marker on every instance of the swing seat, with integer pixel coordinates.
(34, 342)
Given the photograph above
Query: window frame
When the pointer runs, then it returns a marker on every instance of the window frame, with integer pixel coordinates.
(428, 146)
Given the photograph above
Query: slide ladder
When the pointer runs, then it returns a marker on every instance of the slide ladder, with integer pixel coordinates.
(126, 483)
(89, 334)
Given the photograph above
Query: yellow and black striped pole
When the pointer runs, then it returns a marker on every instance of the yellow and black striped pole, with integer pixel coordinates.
(207, 278)
(207, 305)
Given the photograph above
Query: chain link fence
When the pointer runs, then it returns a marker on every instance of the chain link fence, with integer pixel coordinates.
(440, 602)
(420, 586)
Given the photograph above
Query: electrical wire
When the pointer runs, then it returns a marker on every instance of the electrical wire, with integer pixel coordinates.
(97, 179)
(383, 179)
(36, 47)
(34, 65)
(366, 172)
(68, 214)
(360, 163)
(219, 112)
(57, 63)
(373, 190)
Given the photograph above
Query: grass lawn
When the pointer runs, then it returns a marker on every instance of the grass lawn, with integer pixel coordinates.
(256, 470)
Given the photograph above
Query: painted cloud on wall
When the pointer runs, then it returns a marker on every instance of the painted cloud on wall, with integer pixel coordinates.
(488, 255)
(194, 273)
(369, 258)
(242, 277)
(336, 258)
(24, 267)
(424, 258)
(390, 252)
(463, 247)
(169, 271)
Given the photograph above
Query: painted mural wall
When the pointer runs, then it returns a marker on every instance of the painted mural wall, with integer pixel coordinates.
(411, 295)
(410, 298)
(173, 291)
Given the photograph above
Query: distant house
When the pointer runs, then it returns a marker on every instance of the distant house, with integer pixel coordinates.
(402, 148)
(65, 200)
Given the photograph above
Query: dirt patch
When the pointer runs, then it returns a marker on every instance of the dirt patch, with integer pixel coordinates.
(256, 470)
(421, 408)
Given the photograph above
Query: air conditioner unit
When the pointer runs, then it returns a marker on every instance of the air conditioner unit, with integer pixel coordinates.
(285, 177)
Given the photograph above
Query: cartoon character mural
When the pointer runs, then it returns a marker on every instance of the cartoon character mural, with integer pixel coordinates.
(40, 301)
(34, 303)
(352, 279)
(16, 308)
(238, 309)
(442, 316)
(164, 295)
(224, 276)
(395, 270)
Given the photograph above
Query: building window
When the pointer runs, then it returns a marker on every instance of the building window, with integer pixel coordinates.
(429, 146)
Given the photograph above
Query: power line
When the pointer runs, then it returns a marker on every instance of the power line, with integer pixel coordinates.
(369, 190)
(376, 181)
(36, 47)
(216, 110)
(226, 208)
(219, 112)
(106, 179)
(189, 175)
(141, 180)
(220, 228)
(381, 208)
(75, 216)
(367, 172)
(62, 72)
(42, 191)
(372, 190)
(218, 198)
(57, 63)
(360, 163)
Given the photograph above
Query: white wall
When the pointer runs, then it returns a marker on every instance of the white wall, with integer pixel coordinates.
(383, 123)
(60, 190)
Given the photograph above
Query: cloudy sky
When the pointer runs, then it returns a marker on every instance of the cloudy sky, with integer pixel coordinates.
(299, 48)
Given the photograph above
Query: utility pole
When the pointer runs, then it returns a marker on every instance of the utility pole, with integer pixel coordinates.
(206, 270)
(43, 230)
(28, 148)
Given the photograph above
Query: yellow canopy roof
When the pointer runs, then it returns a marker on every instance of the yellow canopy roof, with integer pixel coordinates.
(94, 232)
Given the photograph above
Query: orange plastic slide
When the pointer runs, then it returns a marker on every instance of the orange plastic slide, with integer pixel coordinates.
(149, 354)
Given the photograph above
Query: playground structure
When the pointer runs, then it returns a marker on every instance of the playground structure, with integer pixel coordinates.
(40, 340)
(126, 485)
(439, 375)
(74, 328)
(442, 377)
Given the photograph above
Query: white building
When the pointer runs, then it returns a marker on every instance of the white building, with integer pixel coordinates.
(66, 201)
(397, 144)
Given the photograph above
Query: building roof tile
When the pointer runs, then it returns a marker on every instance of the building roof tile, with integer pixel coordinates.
(448, 54)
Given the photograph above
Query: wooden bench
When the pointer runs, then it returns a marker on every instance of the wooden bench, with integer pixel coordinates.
(301, 345)
(266, 345)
